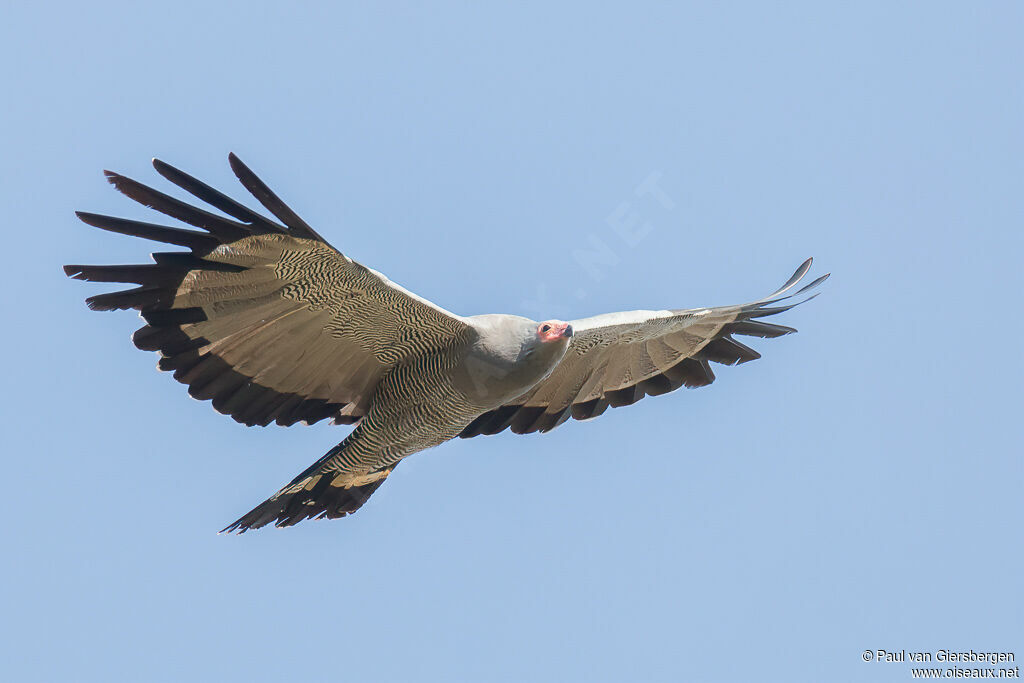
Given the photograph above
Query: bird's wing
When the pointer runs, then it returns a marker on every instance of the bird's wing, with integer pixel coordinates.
(264, 318)
(618, 358)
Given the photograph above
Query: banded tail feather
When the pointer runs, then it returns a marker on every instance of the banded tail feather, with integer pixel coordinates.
(316, 493)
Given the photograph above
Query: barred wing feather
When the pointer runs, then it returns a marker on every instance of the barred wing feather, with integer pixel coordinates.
(616, 359)
(264, 318)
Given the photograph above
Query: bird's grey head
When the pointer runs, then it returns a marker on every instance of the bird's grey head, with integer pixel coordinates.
(513, 353)
(548, 339)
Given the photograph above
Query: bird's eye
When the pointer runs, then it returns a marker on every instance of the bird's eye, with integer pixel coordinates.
(545, 328)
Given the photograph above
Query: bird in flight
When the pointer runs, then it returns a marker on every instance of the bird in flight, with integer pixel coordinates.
(271, 323)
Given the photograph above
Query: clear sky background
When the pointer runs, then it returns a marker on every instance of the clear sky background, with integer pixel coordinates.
(860, 487)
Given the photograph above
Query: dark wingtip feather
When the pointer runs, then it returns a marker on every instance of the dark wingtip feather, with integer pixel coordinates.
(137, 297)
(215, 198)
(174, 316)
(792, 282)
(760, 311)
(162, 167)
(797, 275)
(624, 397)
(757, 328)
(88, 218)
(812, 285)
(196, 241)
(128, 187)
(588, 410)
(225, 229)
(112, 177)
(274, 204)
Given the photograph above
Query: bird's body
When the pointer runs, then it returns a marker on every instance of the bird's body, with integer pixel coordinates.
(418, 405)
(271, 323)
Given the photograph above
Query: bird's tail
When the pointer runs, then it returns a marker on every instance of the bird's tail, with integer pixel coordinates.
(317, 492)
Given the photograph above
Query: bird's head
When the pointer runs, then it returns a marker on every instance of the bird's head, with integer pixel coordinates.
(510, 354)
(544, 344)
(553, 330)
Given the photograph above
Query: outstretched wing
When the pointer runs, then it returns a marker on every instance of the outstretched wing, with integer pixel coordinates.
(618, 358)
(265, 319)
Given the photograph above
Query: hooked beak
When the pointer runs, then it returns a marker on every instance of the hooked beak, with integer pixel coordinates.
(567, 332)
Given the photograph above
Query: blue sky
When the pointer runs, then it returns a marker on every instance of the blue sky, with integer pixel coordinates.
(858, 488)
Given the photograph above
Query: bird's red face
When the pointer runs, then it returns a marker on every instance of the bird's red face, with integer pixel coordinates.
(553, 330)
